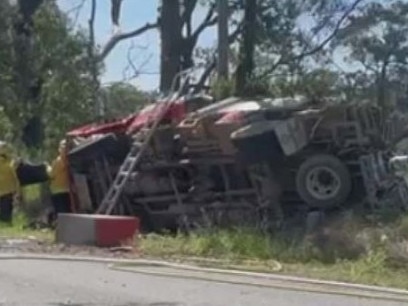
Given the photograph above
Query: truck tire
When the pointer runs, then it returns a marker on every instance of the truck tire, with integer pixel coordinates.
(323, 181)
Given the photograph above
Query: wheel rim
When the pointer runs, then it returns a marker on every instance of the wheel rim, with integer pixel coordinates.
(323, 183)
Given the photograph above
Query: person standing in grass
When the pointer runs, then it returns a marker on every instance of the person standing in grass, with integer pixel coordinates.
(9, 184)
(59, 182)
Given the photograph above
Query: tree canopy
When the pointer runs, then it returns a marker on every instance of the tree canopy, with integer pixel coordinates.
(50, 76)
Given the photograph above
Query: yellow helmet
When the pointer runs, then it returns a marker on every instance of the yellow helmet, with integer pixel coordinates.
(62, 146)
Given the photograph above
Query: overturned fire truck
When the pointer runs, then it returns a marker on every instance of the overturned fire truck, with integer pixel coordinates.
(193, 161)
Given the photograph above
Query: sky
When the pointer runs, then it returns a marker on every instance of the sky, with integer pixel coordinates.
(145, 51)
(146, 48)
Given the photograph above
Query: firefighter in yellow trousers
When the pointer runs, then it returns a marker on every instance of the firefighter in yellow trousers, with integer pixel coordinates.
(9, 184)
(59, 182)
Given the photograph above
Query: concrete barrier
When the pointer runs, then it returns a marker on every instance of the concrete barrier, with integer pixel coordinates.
(97, 230)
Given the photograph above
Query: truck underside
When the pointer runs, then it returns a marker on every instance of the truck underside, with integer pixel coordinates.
(238, 162)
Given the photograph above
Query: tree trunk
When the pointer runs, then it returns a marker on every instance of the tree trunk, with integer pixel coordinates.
(171, 43)
(115, 11)
(27, 80)
(381, 87)
(223, 44)
(247, 49)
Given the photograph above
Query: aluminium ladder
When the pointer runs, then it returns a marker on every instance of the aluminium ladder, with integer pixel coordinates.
(136, 152)
(132, 159)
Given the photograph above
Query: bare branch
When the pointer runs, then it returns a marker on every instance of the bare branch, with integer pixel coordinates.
(118, 38)
(91, 23)
(337, 28)
(213, 64)
(204, 77)
(130, 65)
(208, 21)
(190, 41)
(189, 7)
(285, 60)
(136, 71)
(75, 8)
(77, 11)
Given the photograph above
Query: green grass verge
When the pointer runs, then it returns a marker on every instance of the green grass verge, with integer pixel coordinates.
(19, 230)
(248, 250)
(32, 207)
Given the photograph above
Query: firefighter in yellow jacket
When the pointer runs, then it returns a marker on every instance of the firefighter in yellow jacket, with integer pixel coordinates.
(59, 182)
(9, 184)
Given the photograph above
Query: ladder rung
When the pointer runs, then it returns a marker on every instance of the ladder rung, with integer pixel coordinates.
(127, 167)
(121, 178)
(131, 159)
(124, 173)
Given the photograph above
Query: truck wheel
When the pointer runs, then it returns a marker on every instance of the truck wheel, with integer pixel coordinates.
(323, 181)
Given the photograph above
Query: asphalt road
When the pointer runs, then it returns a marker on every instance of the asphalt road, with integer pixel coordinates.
(34, 282)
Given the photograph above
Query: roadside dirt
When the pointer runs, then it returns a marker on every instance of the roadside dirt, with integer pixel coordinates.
(36, 246)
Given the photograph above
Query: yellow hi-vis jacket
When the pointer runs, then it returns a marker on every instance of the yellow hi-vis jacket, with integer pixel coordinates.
(58, 173)
(8, 177)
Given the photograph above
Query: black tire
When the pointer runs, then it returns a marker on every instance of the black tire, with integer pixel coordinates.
(323, 181)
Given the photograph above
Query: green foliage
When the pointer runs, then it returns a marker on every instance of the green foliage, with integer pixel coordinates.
(289, 34)
(122, 99)
(59, 58)
(316, 83)
(376, 40)
(7, 90)
(295, 58)
(288, 60)
(67, 92)
(222, 88)
(5, 126)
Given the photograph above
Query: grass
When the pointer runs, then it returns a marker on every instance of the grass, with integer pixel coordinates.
(231, 245)
(371, 270)
(349, 253)
(19, 230)
(32, 206)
